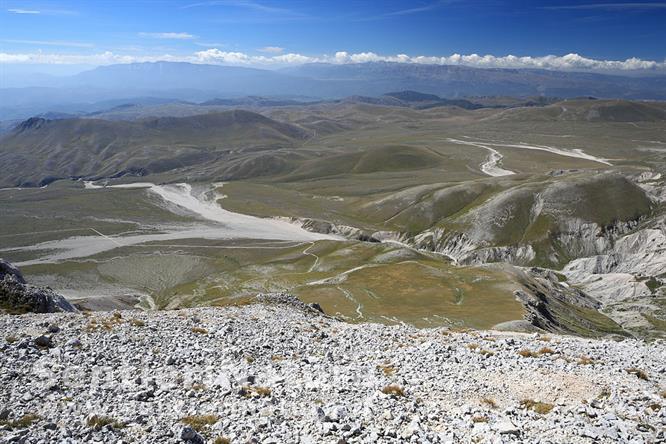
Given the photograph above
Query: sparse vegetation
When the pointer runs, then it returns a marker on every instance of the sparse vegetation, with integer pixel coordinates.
(546, 351)
(97, 422)
(107, 324)
(525, 353)
(137, 322)
(604, 394)
(263, 391)
(586, 360)
(387, 369)
(23, 422)
(490, 402)
(393, 390)
(654, 406)
(255, 392)
(200, 423)
(541, 408)
(640, 374)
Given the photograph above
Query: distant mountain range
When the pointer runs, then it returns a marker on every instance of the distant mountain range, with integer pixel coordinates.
(150, 107)
(198, 83)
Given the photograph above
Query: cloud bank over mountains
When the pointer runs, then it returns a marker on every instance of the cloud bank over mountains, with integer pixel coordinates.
(568, 62)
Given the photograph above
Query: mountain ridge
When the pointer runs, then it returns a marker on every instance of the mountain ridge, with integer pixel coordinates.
(201, 82)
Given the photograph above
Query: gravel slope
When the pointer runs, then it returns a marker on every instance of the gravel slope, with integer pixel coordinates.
(280, 372)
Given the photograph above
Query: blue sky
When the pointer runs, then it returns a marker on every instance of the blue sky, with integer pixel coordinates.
(274, 33)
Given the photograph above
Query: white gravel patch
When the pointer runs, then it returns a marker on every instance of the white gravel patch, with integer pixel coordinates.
(278, 373)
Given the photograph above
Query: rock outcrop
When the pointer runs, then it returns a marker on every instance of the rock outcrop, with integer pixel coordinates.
(17, 296)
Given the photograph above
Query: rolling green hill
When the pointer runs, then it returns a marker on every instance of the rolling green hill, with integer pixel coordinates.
(590, 111)
(39, 151)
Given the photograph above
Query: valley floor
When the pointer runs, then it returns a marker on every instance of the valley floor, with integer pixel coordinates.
(280, 371)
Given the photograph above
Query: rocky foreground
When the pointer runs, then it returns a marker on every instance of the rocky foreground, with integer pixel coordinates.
(281, 372)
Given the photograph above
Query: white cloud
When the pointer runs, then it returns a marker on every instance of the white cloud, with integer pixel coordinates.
(292, 59)
(49, 43)
(41, 11)
(216, 56)
(104, 58)
(23, 11)
(168, 35)
(272, 49)
(613, 6)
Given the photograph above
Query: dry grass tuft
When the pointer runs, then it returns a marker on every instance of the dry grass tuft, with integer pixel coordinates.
(459, 329)
(525, 353)
(541, 408)
(105, 324)
(485, 352)
(473, 346)
(479, 418)
(263, 392)
(200, 422)
(137, 322)
(604, 394)
(586, 360)
(11, 339)
(546, 351)
(97, 422)
(255, 392)
(490, 402)
(394, 390)
(387, 369)
(198, 387)
(640, 374)
(23, 422)
(655, 406)
(222, 440)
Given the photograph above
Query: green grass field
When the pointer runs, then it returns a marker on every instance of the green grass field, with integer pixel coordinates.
(375, 168)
